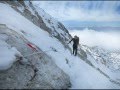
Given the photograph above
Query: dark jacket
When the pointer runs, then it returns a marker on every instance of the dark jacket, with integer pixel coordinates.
(75, 41)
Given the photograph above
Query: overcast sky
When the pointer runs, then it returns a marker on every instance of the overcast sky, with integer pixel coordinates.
(83, 13)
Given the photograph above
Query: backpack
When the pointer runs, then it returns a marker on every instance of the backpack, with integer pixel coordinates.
(76, 40)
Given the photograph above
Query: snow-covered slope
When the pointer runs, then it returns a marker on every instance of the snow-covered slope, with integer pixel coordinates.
(29, 71)
(11, 54)
(105, 61)
(45, 59)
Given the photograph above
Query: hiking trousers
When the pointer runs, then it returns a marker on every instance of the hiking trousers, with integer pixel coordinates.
(74, 49)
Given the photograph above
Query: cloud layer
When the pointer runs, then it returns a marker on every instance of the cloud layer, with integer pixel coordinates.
(82, 10)
(106, 40)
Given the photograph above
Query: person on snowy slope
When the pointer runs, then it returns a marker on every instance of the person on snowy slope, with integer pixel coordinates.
(75, 44)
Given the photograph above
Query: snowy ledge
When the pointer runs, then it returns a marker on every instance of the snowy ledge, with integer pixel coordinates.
(7, 54)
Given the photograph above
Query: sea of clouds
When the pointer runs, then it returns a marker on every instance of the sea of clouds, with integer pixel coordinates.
(106, 40)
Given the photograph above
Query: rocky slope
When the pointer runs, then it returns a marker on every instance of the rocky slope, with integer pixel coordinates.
(34, 71)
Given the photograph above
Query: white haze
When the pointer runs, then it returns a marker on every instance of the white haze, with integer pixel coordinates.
(82, 10)
(105, 40)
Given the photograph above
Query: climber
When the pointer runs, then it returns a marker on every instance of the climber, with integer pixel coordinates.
(75, 44)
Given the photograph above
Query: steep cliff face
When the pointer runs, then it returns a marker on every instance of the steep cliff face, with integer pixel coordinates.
(31, 67)
(38, 16)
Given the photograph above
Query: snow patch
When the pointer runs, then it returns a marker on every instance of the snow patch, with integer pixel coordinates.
(7, 55)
